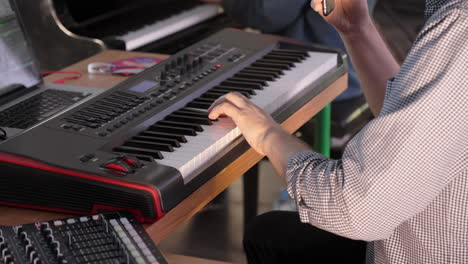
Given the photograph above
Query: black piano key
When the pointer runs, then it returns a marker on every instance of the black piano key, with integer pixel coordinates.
(148, 145)
(243, 85)
(254, 76)
(145, 158)
(283, 58)
(236, 79)
(173, 142)
(286, 63)
(138, 151)
(186, 112)
(272, 74)
(187, 118)
(204, 100)
(178, 137)
(199, 105)
(195, 127)
(226, 91)
(295, 53)
(194, 109)
(213, 95)
(263, 69)
(271, 65)
(238, 89)
(172, 129)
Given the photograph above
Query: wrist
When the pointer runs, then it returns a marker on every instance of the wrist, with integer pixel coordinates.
(270, 138)
(359, 30)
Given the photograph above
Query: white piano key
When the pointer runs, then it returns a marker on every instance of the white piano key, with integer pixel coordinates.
(164, 28)
(202, 150)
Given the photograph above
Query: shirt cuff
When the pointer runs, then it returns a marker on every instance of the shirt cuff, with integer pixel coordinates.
(299, 165)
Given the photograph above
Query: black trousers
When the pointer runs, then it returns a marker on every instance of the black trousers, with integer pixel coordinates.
(280, 237)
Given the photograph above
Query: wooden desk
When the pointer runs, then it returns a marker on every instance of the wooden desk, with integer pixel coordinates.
(197, 200)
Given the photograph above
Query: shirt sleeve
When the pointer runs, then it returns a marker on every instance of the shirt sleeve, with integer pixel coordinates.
(404, 158)
(269, 16)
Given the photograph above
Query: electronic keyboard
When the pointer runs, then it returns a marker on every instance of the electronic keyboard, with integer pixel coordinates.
(147, 143)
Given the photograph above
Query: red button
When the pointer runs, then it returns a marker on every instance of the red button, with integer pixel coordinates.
(130, 162)
(219, 66)
(116, 167)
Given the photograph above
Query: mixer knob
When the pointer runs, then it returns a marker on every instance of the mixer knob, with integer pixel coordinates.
(3, 245)
(179, 61)
(44, 226)
(186, 58)
(23, 236)
(5, 252)
(19, 229)
(49, 239)
(173, 64)
(55, 244)
(47, 231)
(28, 249)
(61, 259)
(7, 259)
(32, 256)
(36, 260)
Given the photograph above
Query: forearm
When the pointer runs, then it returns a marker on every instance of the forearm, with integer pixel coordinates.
(373, 62)
(280, 147)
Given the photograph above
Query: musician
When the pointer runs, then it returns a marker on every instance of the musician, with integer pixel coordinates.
(293, 19)
(402, 183)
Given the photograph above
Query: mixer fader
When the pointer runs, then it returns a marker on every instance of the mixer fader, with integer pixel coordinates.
(102, 238)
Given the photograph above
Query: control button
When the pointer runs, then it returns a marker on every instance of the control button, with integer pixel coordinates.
(66, 126)
(84, 159)
(123, 121)
(110, 129)
(77, 128)
(116, 167)
(102, 134)
(132, 161)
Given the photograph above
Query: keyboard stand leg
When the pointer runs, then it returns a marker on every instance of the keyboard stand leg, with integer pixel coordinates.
(250, 182)
(322, 131)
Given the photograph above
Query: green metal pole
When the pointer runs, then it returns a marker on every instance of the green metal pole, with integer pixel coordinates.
(322, 131)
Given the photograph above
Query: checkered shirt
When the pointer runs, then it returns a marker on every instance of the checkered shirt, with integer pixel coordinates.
(402, 183)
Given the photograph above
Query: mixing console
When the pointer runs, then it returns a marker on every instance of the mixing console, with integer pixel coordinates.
(102, 238)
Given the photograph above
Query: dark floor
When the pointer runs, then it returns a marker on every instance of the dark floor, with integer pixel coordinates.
(217, 234)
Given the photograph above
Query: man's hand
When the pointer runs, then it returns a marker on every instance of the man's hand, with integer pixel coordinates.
(254, 123)
(348, 15)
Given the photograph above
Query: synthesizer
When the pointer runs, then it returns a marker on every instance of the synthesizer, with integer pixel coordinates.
(147, 143)
(108, 238)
